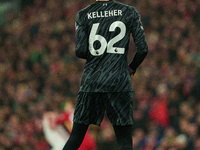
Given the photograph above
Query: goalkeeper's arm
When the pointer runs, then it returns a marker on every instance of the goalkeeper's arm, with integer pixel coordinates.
(81, 39)
(140, 42)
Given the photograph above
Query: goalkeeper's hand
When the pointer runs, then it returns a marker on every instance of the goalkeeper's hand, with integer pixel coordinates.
(131, 72)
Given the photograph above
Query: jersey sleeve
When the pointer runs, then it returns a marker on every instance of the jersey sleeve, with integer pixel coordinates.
(138, 35)
(81, 38)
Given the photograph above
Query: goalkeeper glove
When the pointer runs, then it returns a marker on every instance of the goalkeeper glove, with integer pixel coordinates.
(131, 71)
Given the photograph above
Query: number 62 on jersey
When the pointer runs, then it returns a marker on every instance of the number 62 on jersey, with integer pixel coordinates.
(107, 44)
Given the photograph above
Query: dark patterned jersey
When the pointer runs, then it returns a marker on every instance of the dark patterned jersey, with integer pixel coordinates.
(103, 31)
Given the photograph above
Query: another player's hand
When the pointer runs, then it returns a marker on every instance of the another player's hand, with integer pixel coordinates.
(131, 72)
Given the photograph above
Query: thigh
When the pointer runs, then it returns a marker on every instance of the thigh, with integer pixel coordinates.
(119, 108)
(89, 108)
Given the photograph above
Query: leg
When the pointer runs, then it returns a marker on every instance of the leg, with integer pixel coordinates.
(124, 137)
(119, 109)
(76, 137)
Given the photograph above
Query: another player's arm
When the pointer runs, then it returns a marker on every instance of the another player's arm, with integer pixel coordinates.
(138, 35)
(81, 38)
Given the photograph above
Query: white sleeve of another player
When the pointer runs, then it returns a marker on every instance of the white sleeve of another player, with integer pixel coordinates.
(55, 137)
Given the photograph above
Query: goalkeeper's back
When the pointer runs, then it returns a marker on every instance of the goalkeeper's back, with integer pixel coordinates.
(102, 38)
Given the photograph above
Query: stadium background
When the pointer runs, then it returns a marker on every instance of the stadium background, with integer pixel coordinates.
(39, 72)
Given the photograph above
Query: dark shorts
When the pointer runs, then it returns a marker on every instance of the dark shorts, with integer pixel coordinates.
(91, 107)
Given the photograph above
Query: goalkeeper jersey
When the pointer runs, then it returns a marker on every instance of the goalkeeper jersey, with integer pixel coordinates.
(103, 31)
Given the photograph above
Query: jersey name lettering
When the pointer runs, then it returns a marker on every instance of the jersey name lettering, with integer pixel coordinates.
(103, 14)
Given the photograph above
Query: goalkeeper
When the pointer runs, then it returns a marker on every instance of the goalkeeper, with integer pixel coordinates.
(103, 31)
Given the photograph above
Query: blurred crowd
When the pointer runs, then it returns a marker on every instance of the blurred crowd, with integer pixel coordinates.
(39, 72)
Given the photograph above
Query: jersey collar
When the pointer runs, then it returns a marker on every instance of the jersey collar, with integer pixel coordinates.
(103, 1)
